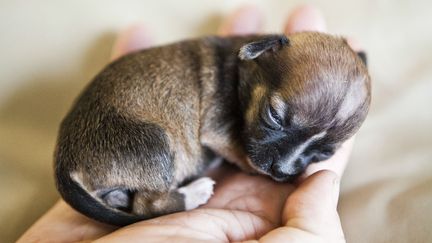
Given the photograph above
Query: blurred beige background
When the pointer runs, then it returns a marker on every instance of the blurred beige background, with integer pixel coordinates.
(50, 49)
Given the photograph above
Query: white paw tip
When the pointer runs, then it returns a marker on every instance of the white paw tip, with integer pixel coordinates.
(197, 192)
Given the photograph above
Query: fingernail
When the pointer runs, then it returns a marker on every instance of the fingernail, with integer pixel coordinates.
(246, 20)
(354, 44)
(305, 18)
(134, 38)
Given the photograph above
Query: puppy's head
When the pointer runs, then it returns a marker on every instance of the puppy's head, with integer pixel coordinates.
(301, 97)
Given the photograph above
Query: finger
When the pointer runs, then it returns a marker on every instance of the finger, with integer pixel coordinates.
(313, 206)
(134, 38)
(310, 212)
(305, 18)
(245, 20)
(354, 44)
(63, 224)
(314, 198)
(200, 225)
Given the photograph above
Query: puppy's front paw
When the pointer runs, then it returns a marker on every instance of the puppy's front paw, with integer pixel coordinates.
(197, 192)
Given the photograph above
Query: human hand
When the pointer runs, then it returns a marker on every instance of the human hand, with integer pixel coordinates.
(243, 207)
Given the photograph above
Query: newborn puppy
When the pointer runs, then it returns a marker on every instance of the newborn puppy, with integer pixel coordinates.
(137, 139)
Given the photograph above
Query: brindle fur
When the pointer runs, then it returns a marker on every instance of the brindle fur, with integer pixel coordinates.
(151, 121)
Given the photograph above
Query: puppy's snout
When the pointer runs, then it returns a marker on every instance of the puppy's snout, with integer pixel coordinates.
(277, 171)
(286, 171)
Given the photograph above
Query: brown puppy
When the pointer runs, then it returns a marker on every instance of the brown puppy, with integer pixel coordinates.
(147, 126)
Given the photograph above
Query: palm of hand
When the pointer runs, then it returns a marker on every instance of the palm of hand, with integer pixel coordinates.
(242, 207)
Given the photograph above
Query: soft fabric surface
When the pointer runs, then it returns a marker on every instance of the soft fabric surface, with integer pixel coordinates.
(51, 49)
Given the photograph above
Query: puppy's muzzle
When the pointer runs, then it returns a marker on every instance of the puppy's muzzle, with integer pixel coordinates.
(288, 168)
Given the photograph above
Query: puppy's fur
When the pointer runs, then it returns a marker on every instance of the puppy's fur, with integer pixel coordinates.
(147, 126)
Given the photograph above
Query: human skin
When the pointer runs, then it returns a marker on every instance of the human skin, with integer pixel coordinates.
(244, 207)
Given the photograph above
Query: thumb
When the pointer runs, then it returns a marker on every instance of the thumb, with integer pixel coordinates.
(313, 205)
(310, 212)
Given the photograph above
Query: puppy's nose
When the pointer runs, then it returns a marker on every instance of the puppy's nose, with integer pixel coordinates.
(283, 171)
(277, 171)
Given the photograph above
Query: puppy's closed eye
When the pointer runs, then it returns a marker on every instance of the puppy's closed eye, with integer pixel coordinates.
(274, 112)
(272, 118)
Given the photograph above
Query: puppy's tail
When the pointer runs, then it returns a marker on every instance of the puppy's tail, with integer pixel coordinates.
(82, 201)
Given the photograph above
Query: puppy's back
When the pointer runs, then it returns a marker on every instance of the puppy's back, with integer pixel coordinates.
(130, 130)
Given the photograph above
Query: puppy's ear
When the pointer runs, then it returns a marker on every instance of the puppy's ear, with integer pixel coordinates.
(254, 49)
(363, 56)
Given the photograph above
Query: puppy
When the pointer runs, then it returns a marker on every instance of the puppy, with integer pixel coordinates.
(137, 139)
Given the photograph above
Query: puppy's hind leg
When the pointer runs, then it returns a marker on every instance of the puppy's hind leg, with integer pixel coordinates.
(188, 197)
